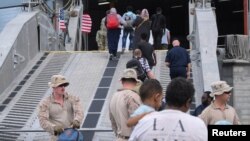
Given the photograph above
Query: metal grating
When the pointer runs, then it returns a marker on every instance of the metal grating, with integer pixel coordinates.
(28, 101)
(165, 78)
(164, 71)
(97, 103)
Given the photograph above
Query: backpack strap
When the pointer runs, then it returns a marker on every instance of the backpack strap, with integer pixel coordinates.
(141, 23)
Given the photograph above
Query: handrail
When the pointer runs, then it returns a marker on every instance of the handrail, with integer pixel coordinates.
(81, 129)
(12, 6)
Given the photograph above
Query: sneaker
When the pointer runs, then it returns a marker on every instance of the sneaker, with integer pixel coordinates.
(111, 57)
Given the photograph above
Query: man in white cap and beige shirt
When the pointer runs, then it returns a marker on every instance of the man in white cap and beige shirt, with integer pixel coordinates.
(123, 103)
(219, 112)
(60, 110)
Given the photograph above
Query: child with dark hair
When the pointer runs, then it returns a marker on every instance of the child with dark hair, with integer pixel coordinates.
(179, 92)
(144, 63)
(173, 123)
(151, 96)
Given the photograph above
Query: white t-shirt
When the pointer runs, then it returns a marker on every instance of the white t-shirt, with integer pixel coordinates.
(170, 125)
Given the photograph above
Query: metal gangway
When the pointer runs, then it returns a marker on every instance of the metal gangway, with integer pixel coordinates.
(95, 86)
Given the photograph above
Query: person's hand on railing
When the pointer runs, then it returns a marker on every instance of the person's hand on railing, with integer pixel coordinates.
(58, 129)
(75, 124)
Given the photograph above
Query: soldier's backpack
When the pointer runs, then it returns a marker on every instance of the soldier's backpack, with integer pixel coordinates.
(112, 21)
(129, 21)
(135, 64)
(70, 134)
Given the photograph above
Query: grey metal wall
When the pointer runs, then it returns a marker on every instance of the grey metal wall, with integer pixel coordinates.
(48, 35)
(19, 44)
(237, 74)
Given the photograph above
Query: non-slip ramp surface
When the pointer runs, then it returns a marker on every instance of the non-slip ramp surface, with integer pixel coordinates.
(92, 77)
(27, 95)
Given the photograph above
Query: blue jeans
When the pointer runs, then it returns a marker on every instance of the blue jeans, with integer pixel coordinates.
(113, 39)
(124, 37)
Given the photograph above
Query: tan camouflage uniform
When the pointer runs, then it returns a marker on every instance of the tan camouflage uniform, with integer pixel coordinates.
(212, 114)
(122, 105)
(101, 36)
(52, 114)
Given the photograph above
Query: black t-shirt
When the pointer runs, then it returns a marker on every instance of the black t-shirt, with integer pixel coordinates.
(147, 51)
(158, 22)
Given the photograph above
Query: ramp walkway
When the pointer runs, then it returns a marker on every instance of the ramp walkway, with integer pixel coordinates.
(92, 76)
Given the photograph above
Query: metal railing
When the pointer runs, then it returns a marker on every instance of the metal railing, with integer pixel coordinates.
(37, 130)
(40, 134)
(40, 130)
(12, 6)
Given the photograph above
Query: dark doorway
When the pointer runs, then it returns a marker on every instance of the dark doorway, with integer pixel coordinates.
(176, 12)
(229, 15)
(230, 18)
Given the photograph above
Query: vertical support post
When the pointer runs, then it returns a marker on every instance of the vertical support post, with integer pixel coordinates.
(204, 44)
(245, 7)
(29, 6)
(54, 15)
(191, 7)
(248, 18)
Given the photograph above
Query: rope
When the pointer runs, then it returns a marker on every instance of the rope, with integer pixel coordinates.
(229, 46)
(243, 46)
(237, 47)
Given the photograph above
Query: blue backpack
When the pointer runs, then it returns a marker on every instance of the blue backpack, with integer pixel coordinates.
(70, 134)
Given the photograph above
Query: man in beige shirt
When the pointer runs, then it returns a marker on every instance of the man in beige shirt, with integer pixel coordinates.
(123, 103)
(60, 110)
(219, 112)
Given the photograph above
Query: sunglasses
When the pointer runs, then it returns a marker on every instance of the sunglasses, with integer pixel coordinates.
(227, 92)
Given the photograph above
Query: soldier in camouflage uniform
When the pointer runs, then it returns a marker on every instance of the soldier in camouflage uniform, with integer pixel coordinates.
(60, 110)
(101, 35)
(123, 103)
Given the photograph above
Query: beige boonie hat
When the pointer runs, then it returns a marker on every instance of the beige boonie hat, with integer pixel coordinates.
(219, 87)
(130, 73)
(57, 80)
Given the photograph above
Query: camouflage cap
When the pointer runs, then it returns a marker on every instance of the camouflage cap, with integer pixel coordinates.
(130, 73)
(57, 80)
(219, 87)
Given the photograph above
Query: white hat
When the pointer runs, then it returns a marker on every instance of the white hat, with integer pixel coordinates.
(130, 73)
(57, 80)
(219, 87)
